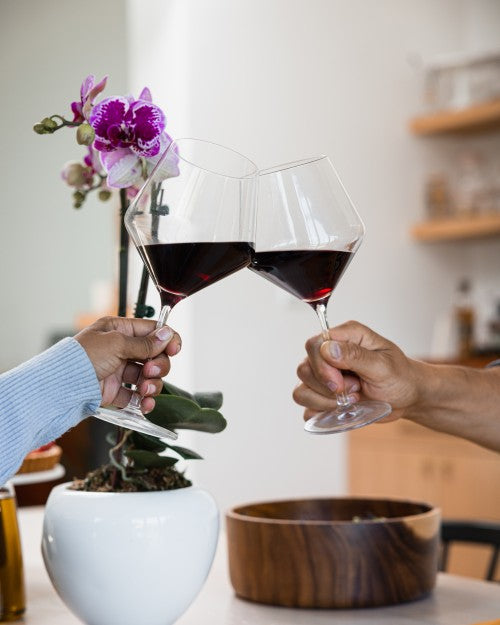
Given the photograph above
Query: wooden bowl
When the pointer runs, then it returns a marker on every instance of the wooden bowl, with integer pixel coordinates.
(333, 553)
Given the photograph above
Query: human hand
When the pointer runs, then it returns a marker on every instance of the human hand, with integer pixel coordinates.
(116, 346)
(361, 363)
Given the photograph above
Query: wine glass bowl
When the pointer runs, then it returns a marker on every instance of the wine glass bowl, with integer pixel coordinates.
(306, 235)
(195, 226)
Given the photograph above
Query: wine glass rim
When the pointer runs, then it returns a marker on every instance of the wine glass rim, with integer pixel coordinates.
(291, 165)
(175, 142)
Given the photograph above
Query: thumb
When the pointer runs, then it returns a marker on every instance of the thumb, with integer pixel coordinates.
(346, 355)
(145, 347)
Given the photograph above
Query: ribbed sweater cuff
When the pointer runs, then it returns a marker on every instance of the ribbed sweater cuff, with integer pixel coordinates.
(44, 397)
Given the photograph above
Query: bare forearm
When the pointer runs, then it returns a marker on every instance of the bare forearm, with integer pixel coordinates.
(459, 400)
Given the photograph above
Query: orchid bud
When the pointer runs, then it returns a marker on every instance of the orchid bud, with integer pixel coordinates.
(79, 198)
(74, 174)
(85, 134)
(39, 129)
(104, 194)
(49, 124)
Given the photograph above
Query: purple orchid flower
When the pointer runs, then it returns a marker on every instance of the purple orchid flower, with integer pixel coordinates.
(122, 122)
(130, 135)
(88, 92)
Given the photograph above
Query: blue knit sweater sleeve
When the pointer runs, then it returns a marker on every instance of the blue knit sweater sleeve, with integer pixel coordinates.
(42, 398)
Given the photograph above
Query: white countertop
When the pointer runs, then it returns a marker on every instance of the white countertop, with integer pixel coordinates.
(455, 600)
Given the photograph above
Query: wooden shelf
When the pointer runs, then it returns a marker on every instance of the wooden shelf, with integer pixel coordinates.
(475, 118)
(457, 228)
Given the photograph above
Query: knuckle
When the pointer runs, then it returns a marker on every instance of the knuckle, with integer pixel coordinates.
(148, 348)
(303, 370)
(108, 321)
(297, 394)
(350, 325)
(312, 344)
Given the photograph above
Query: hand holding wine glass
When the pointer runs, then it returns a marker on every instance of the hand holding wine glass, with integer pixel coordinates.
(115, 346)
(307, 234)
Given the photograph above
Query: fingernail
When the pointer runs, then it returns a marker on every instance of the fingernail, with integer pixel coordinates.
(178, 349)
(335, 350)
(351, 399)
(154, 371)
(332, 386)
(151, 389)
(354, 388)
(164, 334)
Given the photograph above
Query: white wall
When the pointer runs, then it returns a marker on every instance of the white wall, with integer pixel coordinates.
(50, 254)
(280, 80)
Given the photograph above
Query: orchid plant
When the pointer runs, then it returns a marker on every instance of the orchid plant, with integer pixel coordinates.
(124, 139)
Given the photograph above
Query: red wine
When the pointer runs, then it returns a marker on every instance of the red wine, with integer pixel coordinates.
(310, 275)
(180, 269)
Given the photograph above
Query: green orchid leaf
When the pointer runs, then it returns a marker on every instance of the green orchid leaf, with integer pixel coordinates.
(170, 389)
(209, 399)
(175, 412)
(185, 453)
(149, 443)
(148, 459)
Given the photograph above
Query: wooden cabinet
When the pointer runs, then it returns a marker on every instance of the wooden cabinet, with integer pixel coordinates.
(401, 459)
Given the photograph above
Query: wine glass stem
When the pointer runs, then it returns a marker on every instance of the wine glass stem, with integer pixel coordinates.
(162, 319)
(136, 399)
(321, 312)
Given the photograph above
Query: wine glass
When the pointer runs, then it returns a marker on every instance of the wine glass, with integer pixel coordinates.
(307, 234)
(193, 224)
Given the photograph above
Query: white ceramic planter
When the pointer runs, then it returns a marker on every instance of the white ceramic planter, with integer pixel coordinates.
(129, 558)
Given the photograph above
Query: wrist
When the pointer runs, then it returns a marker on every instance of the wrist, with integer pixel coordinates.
(423, 391)
(442, 392)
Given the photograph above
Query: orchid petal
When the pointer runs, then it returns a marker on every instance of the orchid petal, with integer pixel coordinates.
(146, 95)
(109, 159)
(109, 111)
(124, 169)
(91, 95)
(87, 85)
(170, 165)
(76, 109)
(96, 90)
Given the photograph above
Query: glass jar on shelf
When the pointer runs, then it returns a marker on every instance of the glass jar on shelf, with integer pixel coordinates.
(470, 193)
(437, 196)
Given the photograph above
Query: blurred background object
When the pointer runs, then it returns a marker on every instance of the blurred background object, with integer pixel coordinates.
(461, 80)
(278, 80)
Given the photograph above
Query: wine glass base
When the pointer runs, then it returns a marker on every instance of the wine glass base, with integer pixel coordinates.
(347, 417)
(134, 420)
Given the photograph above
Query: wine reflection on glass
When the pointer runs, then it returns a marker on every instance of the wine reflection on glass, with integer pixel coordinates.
(306, 235)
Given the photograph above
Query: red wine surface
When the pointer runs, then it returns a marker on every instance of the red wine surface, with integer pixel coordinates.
(180, 269)
(310, 275)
